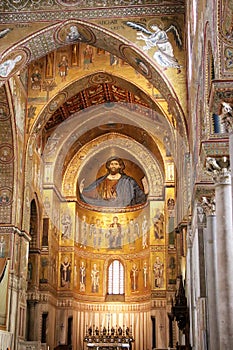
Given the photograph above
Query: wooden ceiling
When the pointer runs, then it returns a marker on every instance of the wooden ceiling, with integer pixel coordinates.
(93, 95)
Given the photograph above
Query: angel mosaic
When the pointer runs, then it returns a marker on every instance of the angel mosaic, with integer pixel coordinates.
(8, 66)
(157, 37)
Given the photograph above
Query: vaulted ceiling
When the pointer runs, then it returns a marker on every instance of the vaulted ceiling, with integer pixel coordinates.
(94, 95)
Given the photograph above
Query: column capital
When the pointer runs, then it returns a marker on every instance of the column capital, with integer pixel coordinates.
(226, 117)
(189, 236)
(219, 169)
(208, 205)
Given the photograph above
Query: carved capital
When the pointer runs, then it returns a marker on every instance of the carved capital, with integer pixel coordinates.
(226, 117)
(189, 236)
(201, 216)
(208, 205)
(219, 169)
(223, 178)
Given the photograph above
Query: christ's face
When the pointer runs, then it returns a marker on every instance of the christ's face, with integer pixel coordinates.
(114, 167)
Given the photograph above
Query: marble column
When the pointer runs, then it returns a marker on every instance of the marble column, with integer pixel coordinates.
(208, 204)
(226, 118)
(219, 169)
(231, 162)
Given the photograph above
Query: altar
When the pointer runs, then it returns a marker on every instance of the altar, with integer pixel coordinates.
(108, 339)
(107, 346)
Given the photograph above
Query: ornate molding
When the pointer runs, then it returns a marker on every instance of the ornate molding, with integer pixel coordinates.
(7, 202)
(220, 91)
(158, 294)
(214, 148)
(32, 11)
(87, 254)
(33, 297)
(103, 307)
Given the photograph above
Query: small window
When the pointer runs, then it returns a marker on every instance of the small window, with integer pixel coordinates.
(116, 278)
(44, 327)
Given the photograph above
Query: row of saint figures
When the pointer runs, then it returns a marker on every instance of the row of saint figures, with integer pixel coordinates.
(91, 279)
(116, 234)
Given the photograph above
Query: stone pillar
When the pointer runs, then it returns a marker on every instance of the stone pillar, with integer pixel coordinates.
(200, 269)
(226, 118)
(32, 320)
(210, 232)
(219, 169)
(189, 284)
(231, 162)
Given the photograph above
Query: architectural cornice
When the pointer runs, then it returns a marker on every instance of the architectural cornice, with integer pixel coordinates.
(41, 11)
(214, 148)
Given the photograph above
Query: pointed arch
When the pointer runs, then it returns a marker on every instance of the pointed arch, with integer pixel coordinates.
(100, 37)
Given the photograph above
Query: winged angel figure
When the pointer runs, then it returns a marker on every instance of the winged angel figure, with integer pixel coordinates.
(164, 56)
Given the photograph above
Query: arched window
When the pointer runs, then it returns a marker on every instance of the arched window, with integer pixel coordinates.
(33, 226)
(116, 278)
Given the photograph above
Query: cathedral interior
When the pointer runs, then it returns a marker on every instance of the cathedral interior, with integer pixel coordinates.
(116, 120)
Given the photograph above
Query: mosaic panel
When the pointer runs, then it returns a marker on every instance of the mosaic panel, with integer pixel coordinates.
(6, 161)
(94, 7)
